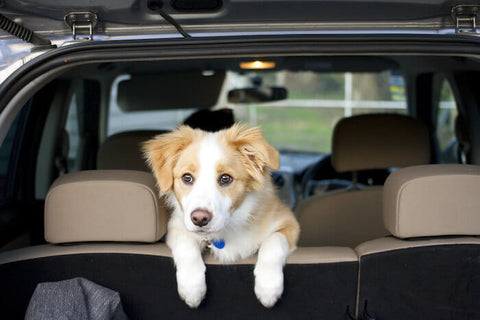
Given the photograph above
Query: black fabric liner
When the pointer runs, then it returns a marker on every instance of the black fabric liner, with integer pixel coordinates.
(434, 282)
(148, 289)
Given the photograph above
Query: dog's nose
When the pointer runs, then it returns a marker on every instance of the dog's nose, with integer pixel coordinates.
(201, 217)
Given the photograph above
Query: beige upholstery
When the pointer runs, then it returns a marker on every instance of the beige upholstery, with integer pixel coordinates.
(122, 151)
(379, 141)
(299, 256)
(350, 217)
(390, 243)
(104, 205)
(331, 220)
(433, 200)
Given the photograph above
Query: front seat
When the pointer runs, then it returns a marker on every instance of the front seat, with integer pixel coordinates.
(351, 216)
(122, 151)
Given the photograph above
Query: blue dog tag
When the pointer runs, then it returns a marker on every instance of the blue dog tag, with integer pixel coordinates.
(219, 244)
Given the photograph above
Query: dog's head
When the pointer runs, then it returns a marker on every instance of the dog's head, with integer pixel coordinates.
(210, 174)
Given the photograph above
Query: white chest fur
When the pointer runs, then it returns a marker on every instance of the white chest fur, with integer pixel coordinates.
(237, 246)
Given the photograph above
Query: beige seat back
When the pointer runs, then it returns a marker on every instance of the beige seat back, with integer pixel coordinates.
(122, 151)
(350, 217)
(104, 205)
(330, 220)
(429, 269)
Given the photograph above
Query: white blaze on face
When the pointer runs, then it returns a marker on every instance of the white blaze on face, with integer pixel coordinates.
(205, 193)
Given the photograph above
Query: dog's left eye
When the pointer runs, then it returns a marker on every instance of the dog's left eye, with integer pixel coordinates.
(187, 178)
(225, 180)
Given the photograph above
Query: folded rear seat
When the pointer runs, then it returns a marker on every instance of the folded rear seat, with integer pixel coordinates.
(105, 225)
(430, 269)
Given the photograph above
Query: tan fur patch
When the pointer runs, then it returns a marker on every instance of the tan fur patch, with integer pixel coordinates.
(163, 151)
(274, 213)
(257, 155)
(187, 163)
(291, 230)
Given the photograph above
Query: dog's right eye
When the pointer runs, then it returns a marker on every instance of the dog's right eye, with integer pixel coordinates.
(187, 178)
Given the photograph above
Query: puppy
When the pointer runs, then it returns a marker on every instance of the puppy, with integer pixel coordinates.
(221, 194)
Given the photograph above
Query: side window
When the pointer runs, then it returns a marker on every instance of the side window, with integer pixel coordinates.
(80, 134)
(448, 145)
(72, 128)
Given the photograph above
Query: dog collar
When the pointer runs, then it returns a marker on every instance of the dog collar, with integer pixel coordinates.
(219, 244)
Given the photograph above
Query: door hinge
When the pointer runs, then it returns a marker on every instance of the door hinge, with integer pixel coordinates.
(466, 18)
(82, 24)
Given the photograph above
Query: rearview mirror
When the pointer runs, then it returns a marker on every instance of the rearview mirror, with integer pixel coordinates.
(257, 94)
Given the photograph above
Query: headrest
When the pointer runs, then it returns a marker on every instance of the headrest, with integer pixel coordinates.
(122, 151)
(211, 120)
(170, 90)
(432, 200)
(104, 205)
(379, 141)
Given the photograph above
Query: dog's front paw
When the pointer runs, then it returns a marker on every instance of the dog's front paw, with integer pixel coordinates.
(191, 288)
(268, 285)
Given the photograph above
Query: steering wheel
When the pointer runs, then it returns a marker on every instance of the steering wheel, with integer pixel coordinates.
(322, 177)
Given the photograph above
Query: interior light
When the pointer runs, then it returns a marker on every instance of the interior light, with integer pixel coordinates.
(257, 65)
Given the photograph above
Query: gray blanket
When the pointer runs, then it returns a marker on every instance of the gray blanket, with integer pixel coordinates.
(76, 298)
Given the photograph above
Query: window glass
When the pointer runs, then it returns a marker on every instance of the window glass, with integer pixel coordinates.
(72, 127)
(316, 101)
(447, 114)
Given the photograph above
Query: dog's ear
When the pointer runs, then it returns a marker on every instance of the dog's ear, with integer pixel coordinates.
(162, 153)
(258, 154)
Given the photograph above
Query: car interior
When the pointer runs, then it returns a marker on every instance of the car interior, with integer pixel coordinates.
(378, 157)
